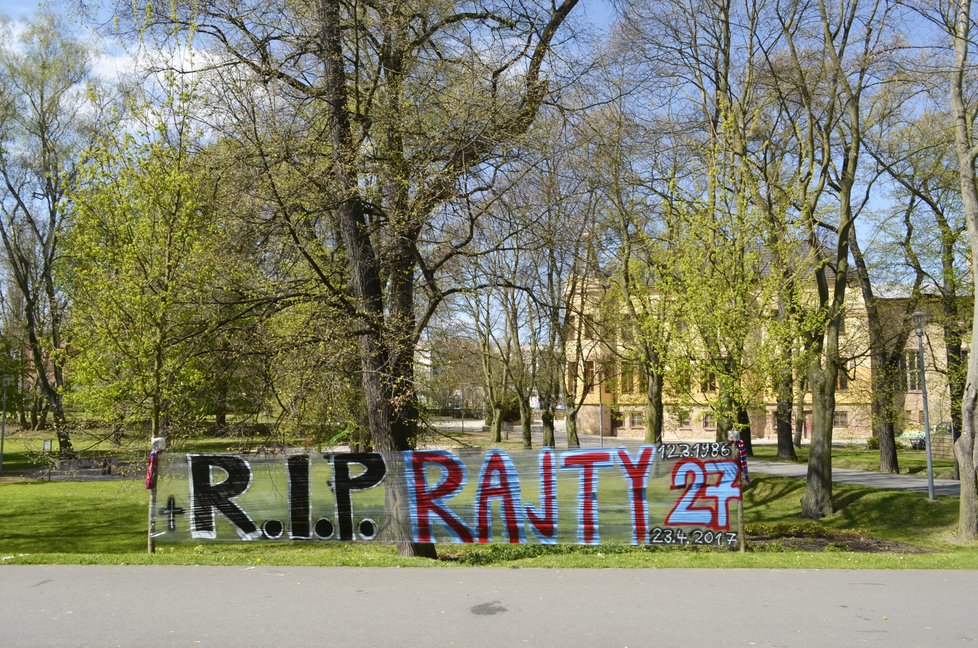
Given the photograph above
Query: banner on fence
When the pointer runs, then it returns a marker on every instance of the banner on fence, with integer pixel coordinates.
(670, 494)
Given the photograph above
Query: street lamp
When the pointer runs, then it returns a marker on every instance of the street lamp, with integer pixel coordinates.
(600, 408)
(919, 319)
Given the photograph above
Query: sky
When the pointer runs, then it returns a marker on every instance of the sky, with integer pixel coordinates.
(16, 9)
(597, 11)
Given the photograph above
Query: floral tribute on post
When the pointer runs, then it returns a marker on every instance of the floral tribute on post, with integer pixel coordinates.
(671, 494)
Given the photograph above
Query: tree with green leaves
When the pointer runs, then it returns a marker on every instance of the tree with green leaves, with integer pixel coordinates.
(142, 256)
(404, 111)
(824, 80)
(48, 115)
(391, 169)
(956, 21)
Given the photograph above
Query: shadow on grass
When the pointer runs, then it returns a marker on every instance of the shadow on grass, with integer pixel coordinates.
(894, 514)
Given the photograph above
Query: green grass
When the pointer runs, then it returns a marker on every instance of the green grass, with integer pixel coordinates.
(104, 523)
(19, 454)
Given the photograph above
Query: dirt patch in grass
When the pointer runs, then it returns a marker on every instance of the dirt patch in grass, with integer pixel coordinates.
(816, 538)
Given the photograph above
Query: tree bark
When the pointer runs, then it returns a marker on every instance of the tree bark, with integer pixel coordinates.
(547, 418)
(817, 499)
(653, 409)
(526, 421)
(573, 441)
(965, 448)
(497, 423)
(782, 416)
(743, 427)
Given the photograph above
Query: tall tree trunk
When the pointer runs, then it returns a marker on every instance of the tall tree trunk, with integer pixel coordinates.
(526, 423)
(817, 499)
(497, 423)
(885, 367)
(799, 418)
(653, 409)
(965, 449)
(782, 416)
(547, 418)
(386, 375)
(884, 352)
(743, 427)
(955, 370)
(573, 441)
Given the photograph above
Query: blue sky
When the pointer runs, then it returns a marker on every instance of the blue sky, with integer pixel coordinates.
(18, 8)
(598, 11)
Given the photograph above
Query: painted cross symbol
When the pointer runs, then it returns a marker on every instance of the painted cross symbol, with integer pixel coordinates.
(172, 512)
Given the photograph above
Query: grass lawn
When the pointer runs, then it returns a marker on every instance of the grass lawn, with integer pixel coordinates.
(103, 522)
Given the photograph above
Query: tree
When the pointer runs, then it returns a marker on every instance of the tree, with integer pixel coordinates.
(409, 103)
(959, 26)
(638, 229)
(927, 240)
(142, 254)
(824, 83)
(364, 70)
(725, 232)
(46, 120)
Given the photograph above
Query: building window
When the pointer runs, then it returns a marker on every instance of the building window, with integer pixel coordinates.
(840, 419)
(628, 333)
(709, 382)
(617, 419)
(590, 328)
(847, 372)
(588, 375)
(920, 416)
(709, 422)
(626, 378)
(638, 419)
(683, 380)
(910, 371)
(685, 420)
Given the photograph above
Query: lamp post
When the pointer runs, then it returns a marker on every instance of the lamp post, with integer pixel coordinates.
(919, 319)
(600, 408)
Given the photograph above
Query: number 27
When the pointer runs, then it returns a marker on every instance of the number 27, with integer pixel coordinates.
(691, 474)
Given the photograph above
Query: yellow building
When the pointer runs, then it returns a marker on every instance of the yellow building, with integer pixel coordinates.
(615, 402)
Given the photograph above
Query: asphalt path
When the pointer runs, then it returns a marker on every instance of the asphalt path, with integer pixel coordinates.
(74, 606)
(950, 487)
(862, 478)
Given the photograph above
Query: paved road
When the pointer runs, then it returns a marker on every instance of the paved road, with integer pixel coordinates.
(58, 606)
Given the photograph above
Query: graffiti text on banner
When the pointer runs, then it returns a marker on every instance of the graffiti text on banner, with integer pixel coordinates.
(672, 494)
